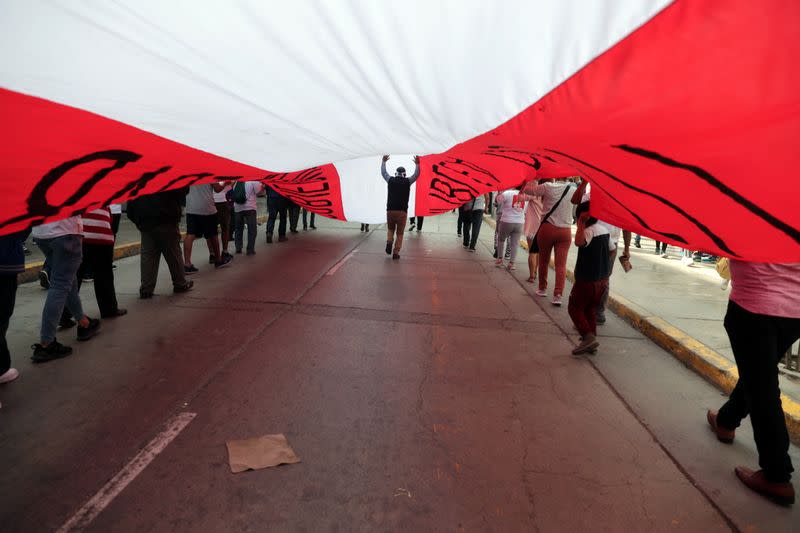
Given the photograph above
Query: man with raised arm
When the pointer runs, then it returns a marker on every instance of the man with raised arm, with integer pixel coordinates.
(397, 204)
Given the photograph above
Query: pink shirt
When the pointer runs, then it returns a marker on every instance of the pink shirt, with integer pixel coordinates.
(766, 288)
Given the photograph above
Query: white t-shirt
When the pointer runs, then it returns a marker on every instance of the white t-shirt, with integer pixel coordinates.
(550, 193)
(200, 200)
(595, 230)
(251, 190)
(219, 197)
(510, 212)
(59, 228)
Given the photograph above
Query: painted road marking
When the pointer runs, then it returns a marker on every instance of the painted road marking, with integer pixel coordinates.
(91, 509)
(338, 265)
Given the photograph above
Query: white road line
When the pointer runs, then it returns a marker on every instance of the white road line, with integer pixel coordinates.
(338, 265)
(86, 514)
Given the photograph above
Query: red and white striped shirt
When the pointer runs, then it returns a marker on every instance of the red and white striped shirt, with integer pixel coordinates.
(97, 227)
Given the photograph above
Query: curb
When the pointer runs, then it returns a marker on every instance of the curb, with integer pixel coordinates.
(121, 251)
(704, 361)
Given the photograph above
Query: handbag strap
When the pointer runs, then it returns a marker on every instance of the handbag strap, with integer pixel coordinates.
(555, 205)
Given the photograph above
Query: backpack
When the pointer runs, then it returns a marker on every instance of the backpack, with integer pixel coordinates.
(239, 194)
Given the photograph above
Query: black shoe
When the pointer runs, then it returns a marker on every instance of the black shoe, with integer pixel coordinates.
(115, 314)
(88, 277)
(44, 279)
(226, 254)
(283, 238)
(305, 228)
(211, 259)
(182, 288)
(238, 251)
(66, 323)
(251, 252)
(313, 227)
(294, 231)
(269, 239)
(395, 256)
(54, 350)
(190, 269)
(389, 245)
(25, 250)
(145, 295)
(84, 334)
(226, 261)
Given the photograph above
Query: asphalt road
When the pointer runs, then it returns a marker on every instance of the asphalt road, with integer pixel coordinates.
(427, 394)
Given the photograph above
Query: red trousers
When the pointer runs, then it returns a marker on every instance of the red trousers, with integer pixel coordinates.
(583, 302)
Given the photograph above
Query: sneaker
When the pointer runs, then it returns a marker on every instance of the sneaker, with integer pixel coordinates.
(556, 300)
(389, 245)
(115, 314)
(251, 252)
(471, 249)
(283, 238)
(269, 239)
(601, 318)
(183, 288)
(588, 344)
(465, 244)
(224, 262)
(10, 375)
(687, 261)
(511, 266)
(498, 263)
(84, 334)
(665, 255)
(145, 295)
(44, 279)
(239, 251)
(88, 277)
(66, 323)
(190, 269)
(25, 250)
(294, 230)
(541, 292)
(211, 259)
(312, 226)
(412, 226)
(395, 256)
(54, 350)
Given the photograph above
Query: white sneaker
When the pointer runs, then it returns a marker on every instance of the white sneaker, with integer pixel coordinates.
(499, 263)
(511, 266)
(10, 375)
(687, 261)
(541, 292)
(556, 301)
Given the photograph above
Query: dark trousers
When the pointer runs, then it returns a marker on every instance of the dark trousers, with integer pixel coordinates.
(162, 240)
(759, 342)
(8, 296)
(305, 217)
(276, 208)
(418, 221)
(246, 217)
(583, 302)
(98, 259)
(461, 219)
(294, 215)
(115, 218)
(472, 227)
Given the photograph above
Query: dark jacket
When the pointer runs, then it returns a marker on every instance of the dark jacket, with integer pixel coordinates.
(160, 209)
(399, 189)
(12, 256)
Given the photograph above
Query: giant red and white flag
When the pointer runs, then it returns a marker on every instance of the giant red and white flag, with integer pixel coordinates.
(684, 115)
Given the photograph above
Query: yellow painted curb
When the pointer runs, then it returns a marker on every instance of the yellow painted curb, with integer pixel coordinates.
(708, 363)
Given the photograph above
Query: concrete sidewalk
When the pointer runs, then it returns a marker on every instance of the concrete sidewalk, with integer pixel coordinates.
(427, 394)
(682, 308)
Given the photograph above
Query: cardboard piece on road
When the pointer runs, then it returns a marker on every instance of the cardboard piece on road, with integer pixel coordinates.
(260, 452)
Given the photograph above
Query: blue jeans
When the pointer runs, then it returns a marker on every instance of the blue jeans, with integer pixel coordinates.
(64, 255)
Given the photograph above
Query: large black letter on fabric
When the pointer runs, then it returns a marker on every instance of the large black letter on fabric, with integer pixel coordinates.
(38, 206)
